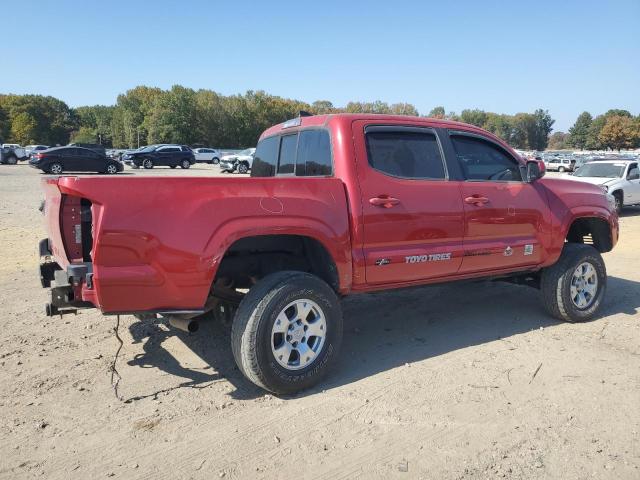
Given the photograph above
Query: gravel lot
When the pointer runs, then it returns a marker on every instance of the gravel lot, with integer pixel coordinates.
(448, 382)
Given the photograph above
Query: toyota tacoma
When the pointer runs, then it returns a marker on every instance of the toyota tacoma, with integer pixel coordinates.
(335, 205)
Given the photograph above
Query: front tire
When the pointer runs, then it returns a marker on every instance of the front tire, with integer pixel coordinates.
(147, 163)
(573, 288)
(287, 332)
(12, 160)
(243, 168)
(618, 196)
(561, 170)
(112, 169)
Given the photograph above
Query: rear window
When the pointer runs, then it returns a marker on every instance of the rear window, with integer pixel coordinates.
(314, 153)
(287, 158)
(266, 157)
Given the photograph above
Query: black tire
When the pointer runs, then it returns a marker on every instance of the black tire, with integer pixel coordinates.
(618, 195)
(147, 163)
(184, 164)
(11, 160)
(55, 168)
(172, 166)
(243, 168)
(215, 160)
(556, 282)
(561, 169)
(251, 332)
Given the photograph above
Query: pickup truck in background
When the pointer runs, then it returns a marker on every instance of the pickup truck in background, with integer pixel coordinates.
(335, 205)
(11, 153)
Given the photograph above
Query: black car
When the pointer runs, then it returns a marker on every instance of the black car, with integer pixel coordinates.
(161, 155)
(74, 159)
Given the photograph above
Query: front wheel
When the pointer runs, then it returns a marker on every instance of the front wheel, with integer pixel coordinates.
(573, 288)
(287, 332)
(12, 160)
(185, 164)
(243, 168)
(618, 201)
(147, 163)
(561, 169)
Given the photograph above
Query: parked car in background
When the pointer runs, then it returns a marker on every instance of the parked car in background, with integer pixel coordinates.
(91, 146)
(559, 164)
(207, 155)
(12, 152)
(74, 159)
(620, 178)
(30, 149)
(240, 162)
(161, 156)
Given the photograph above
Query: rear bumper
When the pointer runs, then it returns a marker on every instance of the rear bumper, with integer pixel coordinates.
(67, 284)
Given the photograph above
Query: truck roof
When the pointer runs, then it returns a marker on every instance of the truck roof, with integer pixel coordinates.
(325, 119)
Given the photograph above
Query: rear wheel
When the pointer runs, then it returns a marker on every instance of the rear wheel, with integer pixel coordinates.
(215, 160)
(185, 164)
(573, 288)
(561, 169)
(55, 168)
(12, 160)
(147, 163)
(287, 332)
(618, 200)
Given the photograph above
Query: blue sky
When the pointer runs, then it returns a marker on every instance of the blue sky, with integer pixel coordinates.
(565, 56)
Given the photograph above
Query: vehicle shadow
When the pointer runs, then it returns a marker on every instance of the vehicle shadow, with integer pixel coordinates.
(386, 330)
(630, 212)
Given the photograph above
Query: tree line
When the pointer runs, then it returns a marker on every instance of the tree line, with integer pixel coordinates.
(146, 115)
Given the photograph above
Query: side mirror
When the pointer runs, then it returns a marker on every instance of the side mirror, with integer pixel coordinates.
(535, 170)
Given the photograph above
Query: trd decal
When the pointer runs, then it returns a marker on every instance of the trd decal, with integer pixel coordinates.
(434, 257)
(528, 249)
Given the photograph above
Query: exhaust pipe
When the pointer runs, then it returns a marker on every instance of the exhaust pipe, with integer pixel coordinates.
(185, 324)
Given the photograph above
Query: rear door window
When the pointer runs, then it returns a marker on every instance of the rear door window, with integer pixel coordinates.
(405, 153)
(314, 153)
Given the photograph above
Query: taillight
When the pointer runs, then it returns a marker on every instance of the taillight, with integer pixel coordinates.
(39, 156)
(75, 226)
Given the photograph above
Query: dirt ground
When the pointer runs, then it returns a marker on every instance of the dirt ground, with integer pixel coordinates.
(451, 382)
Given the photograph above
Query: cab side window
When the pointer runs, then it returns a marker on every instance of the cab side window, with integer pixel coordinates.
(266, 157)
(314, 154)
(482, 160)
(405, 153)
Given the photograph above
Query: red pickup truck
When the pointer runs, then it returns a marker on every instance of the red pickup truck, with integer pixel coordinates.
(336, 205)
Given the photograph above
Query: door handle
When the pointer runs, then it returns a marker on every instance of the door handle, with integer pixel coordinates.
(476, 200)
(384, 201)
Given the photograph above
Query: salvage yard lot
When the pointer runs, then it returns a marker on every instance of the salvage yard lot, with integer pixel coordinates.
(471, 380)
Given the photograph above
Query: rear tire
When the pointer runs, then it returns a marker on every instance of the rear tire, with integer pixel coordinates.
(573, 288)
(185, 164)
(55, 168)
(172, 166)
(561, 169)
(618, 196)
(215, 160)
(279, 301)
(12, 160)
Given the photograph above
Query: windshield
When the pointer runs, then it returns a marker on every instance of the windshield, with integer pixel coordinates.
(248, 151)
(604, 170)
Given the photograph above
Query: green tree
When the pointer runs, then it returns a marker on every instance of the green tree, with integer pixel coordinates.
(474, 117)
(579, 132)
(24, 128)
(403, 109)
(172, 117)
(437, 112)
(322, 106)
(84, 135)
(539, 138)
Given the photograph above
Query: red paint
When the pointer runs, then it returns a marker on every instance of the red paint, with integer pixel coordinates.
(158, 241)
